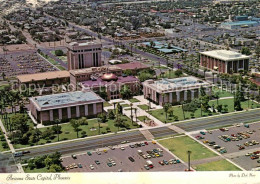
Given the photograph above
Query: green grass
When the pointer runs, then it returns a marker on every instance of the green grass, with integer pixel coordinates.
(106, 104)
(177, 110)
(180, 145)
(169, 74)
(222, 93)
(144, 107)
(4, 86)
(128, 109)
(1, 147)
(134, 100)
(142, 118)
(30, 123)
(125, 105)
(41, 170)
(60, 67)
(68, 132)
(220, 165)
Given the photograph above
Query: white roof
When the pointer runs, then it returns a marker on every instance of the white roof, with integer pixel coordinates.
(225, 55)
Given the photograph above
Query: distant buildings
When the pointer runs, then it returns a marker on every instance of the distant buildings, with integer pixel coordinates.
(84, 55)
(174, 91)
(239, 24)
(64, 106)
(224, 61)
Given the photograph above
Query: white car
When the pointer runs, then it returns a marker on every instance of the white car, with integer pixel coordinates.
(122, 148)
(91, 167)
(113, 163)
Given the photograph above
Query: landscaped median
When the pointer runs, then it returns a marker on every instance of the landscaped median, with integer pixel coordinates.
(180, 145)
(219, 165)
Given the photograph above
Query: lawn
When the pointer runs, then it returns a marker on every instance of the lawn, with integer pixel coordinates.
(222, 93)
(180, 145)
(1, 141)
(177, 110)
(125, 105)
(170, 75)
(106, 104)
(134, 100)
(142, 118)
(220, 165)
(68, 132)
(9, 115)
(144, 107)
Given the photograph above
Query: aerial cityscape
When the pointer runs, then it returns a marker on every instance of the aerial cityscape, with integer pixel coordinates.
(129, 86)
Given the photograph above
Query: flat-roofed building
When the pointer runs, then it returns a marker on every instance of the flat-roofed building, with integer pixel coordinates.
(65, 106)
(45, 79)
(84, 54)
(224, 61)
(174, 91)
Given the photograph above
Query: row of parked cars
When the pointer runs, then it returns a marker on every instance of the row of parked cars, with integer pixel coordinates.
(158, 152)
(254, 155)
(215, 146)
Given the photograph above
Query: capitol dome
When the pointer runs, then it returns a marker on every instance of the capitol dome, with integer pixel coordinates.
(109, 77)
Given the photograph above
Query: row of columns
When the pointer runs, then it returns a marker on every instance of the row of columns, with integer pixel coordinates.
(69, 112)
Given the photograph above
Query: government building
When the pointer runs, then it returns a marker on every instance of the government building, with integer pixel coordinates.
(224, 61)
(174, 91)
(65, 106)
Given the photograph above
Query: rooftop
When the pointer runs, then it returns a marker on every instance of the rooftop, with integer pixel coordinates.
(65, 99)
(238, 23)
(85, 43)
(182, 83)
(43, 76)
(225, 55)
(94, 69)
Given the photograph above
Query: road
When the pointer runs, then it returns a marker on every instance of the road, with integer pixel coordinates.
(218, 121)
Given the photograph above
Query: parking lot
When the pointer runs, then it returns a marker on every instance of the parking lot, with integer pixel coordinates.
(235, 142)
(121, 159)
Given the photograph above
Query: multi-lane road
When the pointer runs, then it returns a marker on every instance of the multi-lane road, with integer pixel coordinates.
(135, 136)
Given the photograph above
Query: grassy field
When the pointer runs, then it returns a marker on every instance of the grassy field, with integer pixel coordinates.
(169, 74)
(220, 165)
(1, 141)
(125, 105)
(177, 110)
(222, 93)
(180, 145)
(142, 118)
(144, 107)
(91, 129)
(134, 100)
(106, 104)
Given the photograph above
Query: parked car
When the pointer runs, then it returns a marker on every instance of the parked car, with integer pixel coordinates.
(91, 167)
(146, 167)
(74, 156)
(109, 164)
(97, 162)
(79, 165)
(160, 162)
(131, 159)
(203, 133)
(165, 162)
(89, 153)
(146, 143)
(122, 148)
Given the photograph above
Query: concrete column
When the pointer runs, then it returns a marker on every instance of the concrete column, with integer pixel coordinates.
(86, 110)
(95, 108)
(51, 115)
(178, 96)
(185, 95)
(170, 99)
(77, 111)
(60, 113)
(243, 64)
(69, 112)
(192, 94)
(226, 63)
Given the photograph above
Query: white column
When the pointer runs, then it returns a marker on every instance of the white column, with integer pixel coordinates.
(226, 64)
(192, 94)
(69, 112)
(185, 95)
(178, 96)
(170, 100)
(77, 111)
(95, 108)
(60, 113)
(86, 110)
(51, 115)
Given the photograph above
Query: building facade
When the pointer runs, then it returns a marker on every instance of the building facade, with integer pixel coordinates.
(84, 55)
(224, 61)
(65, 106)
(174, 91)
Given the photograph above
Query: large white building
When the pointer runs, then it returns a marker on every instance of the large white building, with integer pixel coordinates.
(224, 61)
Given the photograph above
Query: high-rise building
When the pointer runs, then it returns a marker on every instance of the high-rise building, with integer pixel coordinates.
(84, 54)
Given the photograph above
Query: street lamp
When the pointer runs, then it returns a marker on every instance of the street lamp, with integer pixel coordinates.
(189, 153)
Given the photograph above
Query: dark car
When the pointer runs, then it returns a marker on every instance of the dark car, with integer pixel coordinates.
(131, 159)
(25, 152)
(97, 162)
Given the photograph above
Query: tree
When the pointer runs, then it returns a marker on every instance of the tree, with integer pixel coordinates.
(166, 107)
(257, 51)
(246, 51)
(48, 162)
(111, 115)
(178, 73)
(83, 133)
(216, 96)
(126, 92)
(237, 100)
(56, 128)
(59, 53)
(55, 168)
(128, 72)
(102, 117)
(75, 124)
(4, 145)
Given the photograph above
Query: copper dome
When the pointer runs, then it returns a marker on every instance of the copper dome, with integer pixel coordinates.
(109, 77)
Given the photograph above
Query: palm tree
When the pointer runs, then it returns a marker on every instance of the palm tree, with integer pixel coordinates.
(57, 128)
(131, 105)
(182, 103)
(217, 96)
